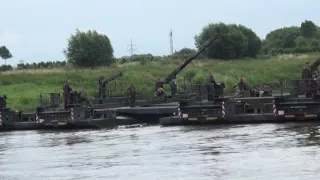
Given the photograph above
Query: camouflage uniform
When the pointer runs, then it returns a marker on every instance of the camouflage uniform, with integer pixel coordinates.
(173, 88)
(102, 87)
(159, 84)
(210, 82)
(3, 101)
(307, 76)
(241, 87)
(160, 94)
(131, 90)
(315, 81)
(67, 90)
(84, 98)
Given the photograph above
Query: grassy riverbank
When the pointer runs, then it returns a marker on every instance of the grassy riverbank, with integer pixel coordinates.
(23, 87)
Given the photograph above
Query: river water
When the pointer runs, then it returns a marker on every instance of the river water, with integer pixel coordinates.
(264, 152)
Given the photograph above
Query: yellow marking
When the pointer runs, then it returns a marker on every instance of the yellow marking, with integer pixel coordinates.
(289, 116)
(211, 118)
(192, 119)
(62, 123)
(309, 115)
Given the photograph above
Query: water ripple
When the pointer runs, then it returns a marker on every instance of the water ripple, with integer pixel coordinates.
(269, 151)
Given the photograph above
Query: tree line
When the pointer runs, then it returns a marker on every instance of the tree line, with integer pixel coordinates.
(40, 65)
(303, 39)
(92, 49)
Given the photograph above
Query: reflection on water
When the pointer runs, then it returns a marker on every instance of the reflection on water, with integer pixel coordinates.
(269, 151)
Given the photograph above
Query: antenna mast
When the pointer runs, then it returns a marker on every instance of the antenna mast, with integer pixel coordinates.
(131, 47)
(171, 42)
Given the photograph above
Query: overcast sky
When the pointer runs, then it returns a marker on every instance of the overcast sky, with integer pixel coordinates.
(37, 30)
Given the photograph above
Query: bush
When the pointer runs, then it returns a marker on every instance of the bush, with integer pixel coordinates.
(89, 49)
(235, 41)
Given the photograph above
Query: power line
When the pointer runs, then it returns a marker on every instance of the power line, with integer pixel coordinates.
(171, 42)
(131, 47)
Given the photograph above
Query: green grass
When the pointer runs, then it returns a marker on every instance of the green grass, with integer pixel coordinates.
(24, 87)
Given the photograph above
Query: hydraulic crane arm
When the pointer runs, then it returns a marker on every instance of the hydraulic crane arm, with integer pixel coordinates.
(113, 77)
(191, 58)
(314, 66)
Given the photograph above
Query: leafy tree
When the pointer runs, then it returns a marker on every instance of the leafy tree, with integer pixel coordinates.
(302, 42)
(89, 49)
(308, 29)
(303, 39)
(235, 41)
(5, 68)
(254, 42)
(315, 42)
(282, 38)
(5, 53)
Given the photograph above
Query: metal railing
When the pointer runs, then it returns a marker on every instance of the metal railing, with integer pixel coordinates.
(50, 99)
(114, 89)
(299, 87)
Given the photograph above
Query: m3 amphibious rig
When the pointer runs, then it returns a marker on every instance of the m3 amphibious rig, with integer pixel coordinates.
(299, 100)
(53, 117)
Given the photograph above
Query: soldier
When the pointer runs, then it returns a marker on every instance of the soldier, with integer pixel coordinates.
(241, 87)
(159, 84)
(161, 95)
(67, 90)
(210, 78)
(315, 81)
(131, 90)
(210, 82)
(307, 77)
(3, 101)
(173, 88)
(83, 97)
(306, 72)
(159, 90)
(102, 87)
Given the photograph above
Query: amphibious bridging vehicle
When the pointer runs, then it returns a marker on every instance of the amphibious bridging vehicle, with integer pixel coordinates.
(303, 103)
(75, 117)
(295, 106)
